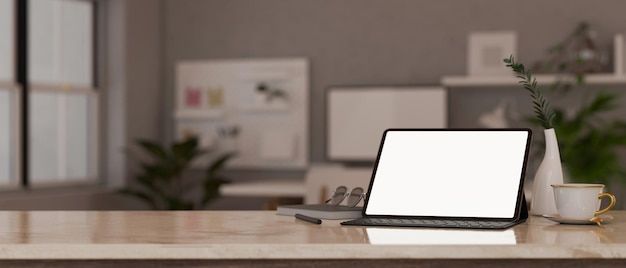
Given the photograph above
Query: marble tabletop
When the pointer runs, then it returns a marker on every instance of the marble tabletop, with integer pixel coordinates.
(265, 235)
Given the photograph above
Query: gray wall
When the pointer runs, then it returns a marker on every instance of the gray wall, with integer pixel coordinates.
(375, 42)
(131, 81)
(347, 41)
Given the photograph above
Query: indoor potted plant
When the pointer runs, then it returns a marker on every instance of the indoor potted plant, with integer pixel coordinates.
(589, 139)
(550, 170)
(163, 183)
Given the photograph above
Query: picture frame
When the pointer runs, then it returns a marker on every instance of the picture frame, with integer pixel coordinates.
(486, 50)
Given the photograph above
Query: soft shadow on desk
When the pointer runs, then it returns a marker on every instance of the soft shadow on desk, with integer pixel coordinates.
(564, 234)
(321, 233)
(352, 235)
(412, 236)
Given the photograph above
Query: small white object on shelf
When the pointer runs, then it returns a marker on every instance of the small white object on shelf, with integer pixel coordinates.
(495, 118)
(199, 114)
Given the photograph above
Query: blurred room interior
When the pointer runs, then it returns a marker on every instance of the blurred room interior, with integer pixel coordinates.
(298, 90)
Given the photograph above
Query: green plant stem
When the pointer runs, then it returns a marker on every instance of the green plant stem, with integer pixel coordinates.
(541, 107)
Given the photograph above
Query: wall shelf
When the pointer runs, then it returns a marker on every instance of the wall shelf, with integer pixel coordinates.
(265, 188)
(542, 79)
(271, 107)
(199, 114)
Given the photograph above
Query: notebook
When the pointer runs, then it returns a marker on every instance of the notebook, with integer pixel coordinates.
(455, 178)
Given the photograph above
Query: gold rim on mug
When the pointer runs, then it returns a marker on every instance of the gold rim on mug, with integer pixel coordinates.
(589, 185)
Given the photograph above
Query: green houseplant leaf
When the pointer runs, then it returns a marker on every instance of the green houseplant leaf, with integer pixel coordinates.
(212, 180)
(163, 179)
(140, 195)
(587, 142)
(541, 107)
(154, 149)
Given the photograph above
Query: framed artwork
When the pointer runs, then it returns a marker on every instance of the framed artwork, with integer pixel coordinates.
(486, 50)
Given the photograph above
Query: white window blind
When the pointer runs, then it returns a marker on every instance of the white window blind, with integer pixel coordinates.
(61, 42)
(45, 152)
(61, 137)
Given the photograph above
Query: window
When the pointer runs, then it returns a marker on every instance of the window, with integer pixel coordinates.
(8, 138)
(8, 96)
(62, 93)
(58, 127)
(7, 40)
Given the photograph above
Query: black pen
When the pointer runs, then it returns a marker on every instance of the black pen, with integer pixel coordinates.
(309, 219)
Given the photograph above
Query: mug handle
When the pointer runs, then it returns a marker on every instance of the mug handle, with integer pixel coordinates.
(606, 209)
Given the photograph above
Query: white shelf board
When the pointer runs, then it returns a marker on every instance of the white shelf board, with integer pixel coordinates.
(199, 114)
(277, 107)
(542, 79)
(265, 188)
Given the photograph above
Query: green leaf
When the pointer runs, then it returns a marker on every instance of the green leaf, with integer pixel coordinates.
(162, 182)
(155, 171)
(178, 204)
(580, 79)
(557, 48)
(187, 149)
(530, 84)
(155, 149)
(211, 189)
(150, 184)
(219, 163)
(140, 195)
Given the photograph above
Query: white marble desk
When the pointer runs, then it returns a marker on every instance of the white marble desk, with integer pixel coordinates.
(261, 238)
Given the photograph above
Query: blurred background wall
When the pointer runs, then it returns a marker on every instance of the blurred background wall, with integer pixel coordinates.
(374, 42)
(348, 42)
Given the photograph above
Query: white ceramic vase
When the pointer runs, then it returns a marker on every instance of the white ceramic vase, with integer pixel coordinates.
(550, 172)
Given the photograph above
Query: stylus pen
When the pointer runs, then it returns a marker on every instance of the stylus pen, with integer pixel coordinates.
(309, 219)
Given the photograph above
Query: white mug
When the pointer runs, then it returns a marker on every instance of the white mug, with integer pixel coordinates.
(580, 200)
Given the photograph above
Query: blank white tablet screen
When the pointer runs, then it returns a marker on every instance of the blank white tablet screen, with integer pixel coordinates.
(449, 173)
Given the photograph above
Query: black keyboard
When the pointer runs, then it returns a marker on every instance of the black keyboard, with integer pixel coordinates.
(469, 224)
